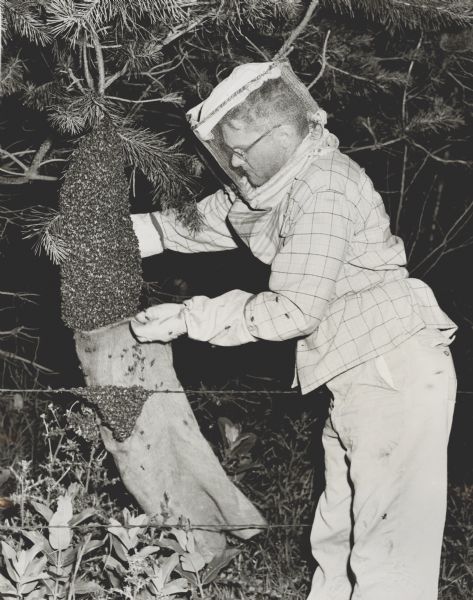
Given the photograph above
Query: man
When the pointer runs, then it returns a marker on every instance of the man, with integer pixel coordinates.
(339, 284)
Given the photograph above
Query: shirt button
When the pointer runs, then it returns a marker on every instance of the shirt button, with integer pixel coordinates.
(446, 352)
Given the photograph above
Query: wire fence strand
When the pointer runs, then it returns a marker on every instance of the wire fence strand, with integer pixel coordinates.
(78, 390)
(205, 392)
(183, 526)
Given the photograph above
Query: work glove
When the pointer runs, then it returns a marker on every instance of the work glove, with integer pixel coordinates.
(160, 323)
(148, 232)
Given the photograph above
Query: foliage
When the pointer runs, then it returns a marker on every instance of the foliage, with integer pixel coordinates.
(66, 535)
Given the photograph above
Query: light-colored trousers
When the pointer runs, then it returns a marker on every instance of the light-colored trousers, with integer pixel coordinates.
(378, 528)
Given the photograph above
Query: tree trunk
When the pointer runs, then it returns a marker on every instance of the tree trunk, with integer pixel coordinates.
(166, 463)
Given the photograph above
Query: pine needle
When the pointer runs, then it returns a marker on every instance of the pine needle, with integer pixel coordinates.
(44, 224)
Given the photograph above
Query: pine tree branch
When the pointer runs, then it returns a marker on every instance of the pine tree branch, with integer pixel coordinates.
(426, 7)
(75, 80)
(85, 60)
(100, 63)
(22, 295)
(261, 52)
(449, 236)
(115, 76)
(323, 62)
(445, 161)
(10, 356)
(375, 146)
(172, 100)
(352, 75)
(402, 193)
(29, 173)
(287, 46)
(14, 158)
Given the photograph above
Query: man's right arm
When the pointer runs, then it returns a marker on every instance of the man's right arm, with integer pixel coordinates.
(157, 231)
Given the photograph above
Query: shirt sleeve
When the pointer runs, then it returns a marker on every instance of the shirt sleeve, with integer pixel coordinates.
(162, 230)
(302, 282)
(305, 271)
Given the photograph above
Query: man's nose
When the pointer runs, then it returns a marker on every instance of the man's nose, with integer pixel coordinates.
(237, 161)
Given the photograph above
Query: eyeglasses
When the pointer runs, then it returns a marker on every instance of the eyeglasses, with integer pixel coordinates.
(243, 154)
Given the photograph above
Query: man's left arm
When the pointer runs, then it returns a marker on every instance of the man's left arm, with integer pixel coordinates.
(302, 283)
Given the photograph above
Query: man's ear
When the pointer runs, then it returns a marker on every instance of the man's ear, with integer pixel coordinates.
(286, 135)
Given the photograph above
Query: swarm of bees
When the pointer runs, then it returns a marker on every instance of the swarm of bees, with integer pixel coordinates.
(101, 275)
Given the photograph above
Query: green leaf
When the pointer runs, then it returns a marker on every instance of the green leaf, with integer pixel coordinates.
(82, 516)
(113, 563)
(86, 587)
(38, 594)
(187, 575)
(91, 545)
(38, 540)
(244, 444)
(168, 566)
(171, 545)
(6, 588)
(43, 510)
(178, 586)
(60, 537)
(217, 564)
(8, 552)
(120, 550)
(192, 561)
(181, 537)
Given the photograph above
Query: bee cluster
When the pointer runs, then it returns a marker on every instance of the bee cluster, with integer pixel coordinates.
(101, 275)
(118, 407)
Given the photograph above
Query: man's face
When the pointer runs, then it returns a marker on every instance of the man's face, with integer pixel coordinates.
(257, 152)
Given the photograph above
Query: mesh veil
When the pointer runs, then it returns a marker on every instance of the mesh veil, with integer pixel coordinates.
(244, 95)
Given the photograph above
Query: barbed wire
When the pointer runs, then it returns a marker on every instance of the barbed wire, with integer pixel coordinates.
(76, 390)
(247, 392)
(183, 526)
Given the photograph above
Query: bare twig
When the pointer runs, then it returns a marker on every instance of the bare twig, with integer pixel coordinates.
(403, 189)
(402, 193)
(139, 101)
(406, 87)
(261, 52)
(85, 60)
(11, 356)
(445, 161)
(352, 75)
(287, 46)
(441, 247)
(75, 80)
(14, 158)
(323, 62)
(375, 146)
(115, 76)
(23, 295)
(100, 64)
(30, 173)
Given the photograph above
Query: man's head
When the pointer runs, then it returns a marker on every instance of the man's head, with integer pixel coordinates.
(253, 121)
(261, 133)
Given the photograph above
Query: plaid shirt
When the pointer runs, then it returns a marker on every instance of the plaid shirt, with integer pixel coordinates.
(338, 278)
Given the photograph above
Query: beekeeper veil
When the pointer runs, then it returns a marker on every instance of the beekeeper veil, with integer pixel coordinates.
(265, 95)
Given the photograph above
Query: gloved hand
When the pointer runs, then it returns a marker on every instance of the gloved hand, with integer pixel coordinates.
(160, 323)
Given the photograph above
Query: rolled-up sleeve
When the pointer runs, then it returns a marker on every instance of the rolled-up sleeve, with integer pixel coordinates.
(305, 271)
(212, 235)
(163, 230)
